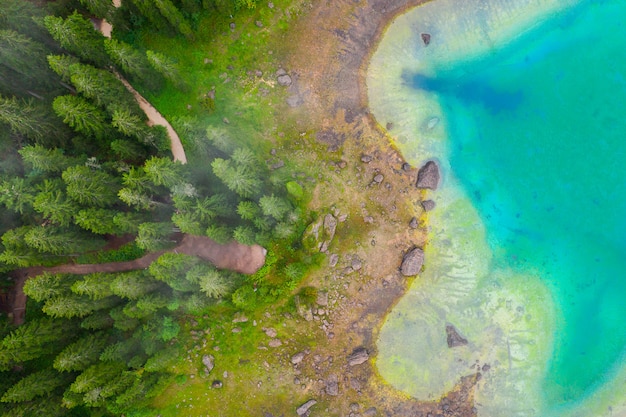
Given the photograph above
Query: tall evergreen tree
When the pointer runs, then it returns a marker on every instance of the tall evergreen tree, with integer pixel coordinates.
(99, 221)
(96, 286)
(133, 285)
(77, 35)
(59, 241)
(37, 384)
(130, 60)
(175, 17)
(90, 187)
(53, 204)
(47, 285)
(155, 236)
(34, 339)
(44, 159)
(26, 118)
(81, 354)
(17, 194)
(80, 115)
(166, 66)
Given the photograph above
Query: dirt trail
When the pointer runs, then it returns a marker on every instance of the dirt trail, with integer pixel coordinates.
(233, 256)
(154, 117)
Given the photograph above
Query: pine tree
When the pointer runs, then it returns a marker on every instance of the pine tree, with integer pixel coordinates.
(145, 306)
(133, 285)
(47, 285)
(212, 282)
(97, 376)
(248, 210)
(90, 187)
(165, 66)
(244, 235)
(98, 221)
(128, 150)
(130, 60)
(77, 35)
(97, 320)
(239, 179)
(99, 8)
(17, 195)
(96, 286)
(81, 354)
(58, 241)
(171, 269)
(164, 171)
(104, 89)
(33, 339)
(136, 198)
(80, 115)
(27, 118)
(61, 64)
(163, 359)
(220, 233)
(121, 321)
(175, 17)
(26, 58)
(54, 205)
(37, 384)
(155, 236)
(273, 206)
(188, 222)
(127, 222)
(70, 306)
(43, 159)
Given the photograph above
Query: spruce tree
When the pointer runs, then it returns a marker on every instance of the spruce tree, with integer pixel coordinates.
(81, 354)
(37, 384)
(77, 35)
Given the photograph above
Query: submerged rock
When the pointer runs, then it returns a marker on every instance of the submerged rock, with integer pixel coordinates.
(412, 262)
(428, 176)
(454, 339)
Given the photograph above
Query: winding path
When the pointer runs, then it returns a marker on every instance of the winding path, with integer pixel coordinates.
(154, 117)
(233, 256)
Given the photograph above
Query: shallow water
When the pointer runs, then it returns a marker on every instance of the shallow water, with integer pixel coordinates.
(524, 106)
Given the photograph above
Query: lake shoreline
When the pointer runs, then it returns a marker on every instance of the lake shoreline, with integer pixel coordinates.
(330, 60)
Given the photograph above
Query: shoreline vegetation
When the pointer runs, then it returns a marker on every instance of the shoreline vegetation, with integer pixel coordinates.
(313, 350)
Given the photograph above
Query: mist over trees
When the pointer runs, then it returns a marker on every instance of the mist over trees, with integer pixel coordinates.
(81, 169)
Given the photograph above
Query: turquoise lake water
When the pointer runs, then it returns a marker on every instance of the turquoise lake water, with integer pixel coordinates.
(530, 132)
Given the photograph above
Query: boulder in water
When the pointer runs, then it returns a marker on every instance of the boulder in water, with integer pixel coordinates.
(454, 339)
(428, 176)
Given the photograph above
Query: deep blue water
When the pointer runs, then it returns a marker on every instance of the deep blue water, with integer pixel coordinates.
(538, 135)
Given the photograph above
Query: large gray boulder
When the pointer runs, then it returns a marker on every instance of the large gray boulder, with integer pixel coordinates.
(428, 176)
(412, 262)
